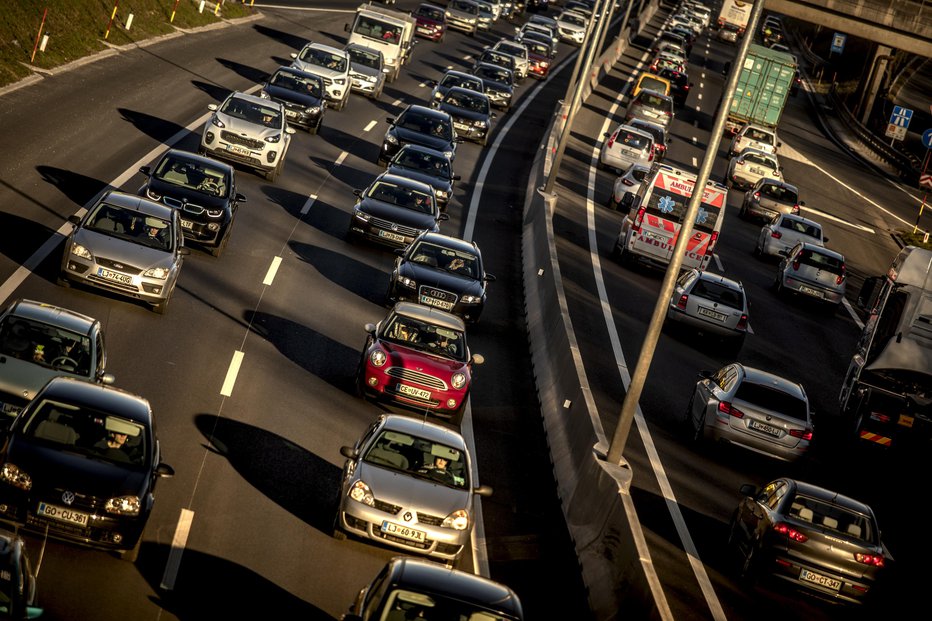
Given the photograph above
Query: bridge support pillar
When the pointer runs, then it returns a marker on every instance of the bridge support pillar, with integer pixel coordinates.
(874, 80)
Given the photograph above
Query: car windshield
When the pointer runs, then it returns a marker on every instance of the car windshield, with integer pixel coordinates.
(323, 58)
(468, 101)
(835, 518)
(464, 6)
(430, 12)
(419, 457)
(450, 80)
(570, 18)
(497, 58)
(446, 259)
(404, 604)
(652, 100)
(425, 337)
(494, 73)
(87, 431)
(373, 28)
(758, 135)
(409, 198)
(253, 112)
(427, 124)
(653, 84)
(436, 165)
(537, 48)
(720, 293)
(191, 175)
(364, 57)
(770, 398)
(46, 345)
(306, 85)
(130, 225)
(779, 193)
(632, 140)
(514, 50)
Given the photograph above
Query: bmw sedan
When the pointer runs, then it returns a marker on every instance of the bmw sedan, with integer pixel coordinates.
(810, 539)
(471, 113)
(81, 463)
(417, 358)
(752, 409)
(428, 166)
(301, 93)
(394, 210)
(128, 245)
(407, 484)
(202, 190)
(419, 125)
(442, 272)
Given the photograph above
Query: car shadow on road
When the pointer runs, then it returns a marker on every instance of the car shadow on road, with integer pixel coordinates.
(250, 73)
(194, 598)
(286, 38)
(456, 61)
(151, 126)
(357, 277)
(216, 92)
(291, 202)
(29, 236)
(79, 189)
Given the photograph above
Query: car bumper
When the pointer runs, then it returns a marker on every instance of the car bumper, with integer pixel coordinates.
(786, 567)
(702, 324)
(539, 71)
(367, 87)
(265, 158)
(461, 25)
(335, 93)
(303, 119)
(812, 290)
(136, 286)
(499, 99)
(614, 160)
(470, 131)
(759, 211)
(365, 521)
(443, 403)
(207, 233)
(720, 430)
(429, 33)
(383, 232)
(469, 312)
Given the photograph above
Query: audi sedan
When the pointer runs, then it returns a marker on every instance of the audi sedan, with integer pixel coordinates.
(417, 358)
(442, 272)
(302, 94)
(394, 210)
(450, 79)
(752, 409)
(81, 464)
(471, 113)
(203, 191)
(428, 166)
(419, 125)
(407, 484)
(811, 539)
(128, 245)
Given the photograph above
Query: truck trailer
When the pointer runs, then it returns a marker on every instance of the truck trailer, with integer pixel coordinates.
(764, 84)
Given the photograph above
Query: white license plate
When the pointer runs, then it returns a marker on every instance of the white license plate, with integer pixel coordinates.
(758, 171)
(63, 515)
(810, 291)
(187, 224)
(405, 532)
(758, 426)
(411, 391)
(392, 236)
(461, 127)
(441, 304)
(10, 409)
(237, 149)
(423, 30)
(656, 237)
(291, 114)
(708, 312)
(830, 583)
(115, 276)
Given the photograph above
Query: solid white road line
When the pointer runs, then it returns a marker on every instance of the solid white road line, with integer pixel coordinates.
(396, 103)
(370, 125)
(309, 203)
(179, 541)
(273, 269)
(227, 389)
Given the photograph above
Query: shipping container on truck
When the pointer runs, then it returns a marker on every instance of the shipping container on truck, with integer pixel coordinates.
(763, 87)
(736, 13)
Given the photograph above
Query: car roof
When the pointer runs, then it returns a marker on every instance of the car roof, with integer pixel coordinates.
(53, 315)
(759, 376)
(429, 576)
(410, 146)
(467, 91)
(365, 48)
(823, 250)
(497, 67)
(780, 182)
(821, 493)
(406, 182)
(138, 203)
(430, 315)
(253, 98)
(453, 243)
(425, 429)
(424, 110)
(635, 130)
(201, 159)
(97, 396)
(753, 151)
(720, 279)
(760, 128)
(799, 218)
(637, 123)
(653, 92)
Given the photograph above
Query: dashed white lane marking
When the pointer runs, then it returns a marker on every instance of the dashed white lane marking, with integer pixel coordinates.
(700, 96)
(695, 140)
(370, 125)
(703, 76)
(701, 84)
(232, 372)
(396, 103)
(698, 108)
(707, 51)
(695, 163)
(467, 57)
(449, 67)
(308, 204)
(273, 269)
(422, 85)
(341, 158)
(179, 541)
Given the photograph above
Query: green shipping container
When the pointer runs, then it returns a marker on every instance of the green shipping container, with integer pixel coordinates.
(763, 87)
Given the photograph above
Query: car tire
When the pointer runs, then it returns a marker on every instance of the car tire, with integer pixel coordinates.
(748, 569)
(63, 281)
(337, 531)
(758, 250)
(313, 129)
(484, 141)
(216, 251)
(743, 212)
(132, 554)
(272, 173)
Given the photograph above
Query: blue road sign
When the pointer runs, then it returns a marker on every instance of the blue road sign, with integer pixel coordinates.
(838, 43)
(901, 116)
(927, 139)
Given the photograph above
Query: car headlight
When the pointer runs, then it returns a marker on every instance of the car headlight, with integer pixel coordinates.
(273, 139)
(152, 195)
(123, 505)
(11, 474)
(441, 194)
(471, 299)
(360, 492)
(362, 215)
(391, 139)
(458, 520)
(339, 80)
(408, 282)
(214, 120)
(312, 110)
(449, 154)
(438, 95)
(458, 380)
(214, 213)
(159, 273)
(480, 123)
(81, 251)
(472, 20)
(377, 358)
(264, 95)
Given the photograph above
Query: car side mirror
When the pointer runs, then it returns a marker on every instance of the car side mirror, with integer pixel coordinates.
(825, 240)
(294, 55)
(489, 278)
(213, 107)
(477, 359)
(482, 490)
(459, 139)
(400, 252)
(748, 490)
(369, 328)
(240, 198)
(349, 452)
(802, 203)
(106, 379)
(456, 177)
(357, 193)
(706, 374)
(145, 170)
(783, 252)
(779, 144)
(606, 134)
(492, 116)
(390, 120)
(289, 130)
(345, 27)
(443, 216)
(165, 471)
(74, 219)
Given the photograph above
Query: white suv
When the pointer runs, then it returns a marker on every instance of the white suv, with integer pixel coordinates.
(330, 63)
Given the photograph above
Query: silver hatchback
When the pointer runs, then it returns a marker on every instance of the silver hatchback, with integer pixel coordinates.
(710, 304)
(753, 409)
(785, 231)
(813, 272)
(625, 147)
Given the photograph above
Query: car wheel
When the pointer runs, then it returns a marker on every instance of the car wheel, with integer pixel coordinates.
(758, 250)
(777, 285)
(132, 554)
(743, 212)
(217, 250)
(63, 281)
(313, 129)
(390, 296)
(272, 173)
(484, 141)
(733, 532)
(338, 533)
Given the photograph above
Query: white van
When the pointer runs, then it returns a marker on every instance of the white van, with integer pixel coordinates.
(655, 213)
(388, 30)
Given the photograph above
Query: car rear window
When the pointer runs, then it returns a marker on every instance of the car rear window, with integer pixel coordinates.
(814, 258)
(652, 101)
(653, 84)
(630, 139)
(832, 517)
(801, 227)
(772, 399)
(779, 193)
(717, 292)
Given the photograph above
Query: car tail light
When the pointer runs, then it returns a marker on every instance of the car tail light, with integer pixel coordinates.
(611, 140)
(796, 208)
(757, 196)
(869, 559)
(661, 147)
(881, 418)
(802, 434)
(785, 529)
(650, 156)
(727, 408)
(712, 240)
(743, 322)
(627, 182)
(841, 277)
(682, 303)
(776, 234)
(638, 219)
(796, 264)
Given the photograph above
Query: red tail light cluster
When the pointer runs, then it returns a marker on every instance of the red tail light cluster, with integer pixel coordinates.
(776, 234)
(869, 559)
(785, 529)
(757, 196)
(743, 322)
(611, 140)
(639, 219)
(802, 434)
(627, 182)
(682, 303)
(726, 407)
(796, 208)
(841, 277)
(650, 156)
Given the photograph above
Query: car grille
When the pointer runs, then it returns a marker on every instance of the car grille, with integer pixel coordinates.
(119, 266)
(429, 520)
(82, 502)
(243, 141)
(55, 525)
(411, 375)
(439, 294)
(193, 209)
(397, 228)
(387, 507)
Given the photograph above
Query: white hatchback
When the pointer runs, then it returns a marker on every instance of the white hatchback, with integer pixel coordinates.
(755, 137)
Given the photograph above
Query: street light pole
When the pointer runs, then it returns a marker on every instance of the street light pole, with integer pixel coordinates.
(633, 393)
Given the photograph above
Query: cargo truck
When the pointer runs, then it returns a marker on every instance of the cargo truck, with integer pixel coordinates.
(886, 397)
(763, 86)
(737, 13)
(387, 30)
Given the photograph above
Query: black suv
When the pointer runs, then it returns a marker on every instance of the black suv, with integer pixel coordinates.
(679, 85)
(419, 125)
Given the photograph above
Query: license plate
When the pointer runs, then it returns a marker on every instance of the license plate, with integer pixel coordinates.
(63, 515)
(411, 391)
(708, 312)
(392, 236)
(905, 421)
(187, 224)
(291, 114)
(441, 304)
(461, 126)
(238, 149)
(655, 236)
(423, 30)
(405, 532)
(810, 291)
(758, 426)
(10, 409)
(758, 171)
(830, 583)
(115, 276)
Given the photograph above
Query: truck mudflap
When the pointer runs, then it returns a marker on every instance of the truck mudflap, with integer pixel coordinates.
(893, 422)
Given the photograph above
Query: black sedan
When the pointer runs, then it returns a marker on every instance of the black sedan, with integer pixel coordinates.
(302, 94)
(679, 84)
(426, 165)
(471, 112)
(80, 463)
(203, 190)
(443, 272)
(499, 84)
(419, 125)
(394, 210)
